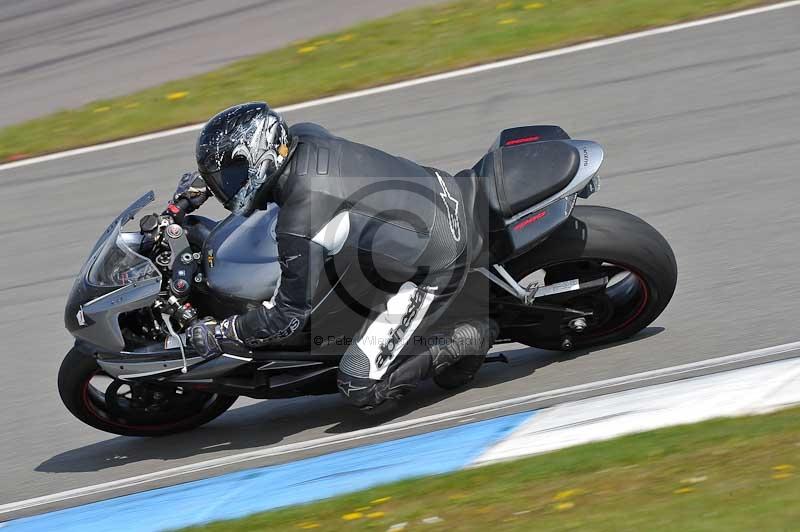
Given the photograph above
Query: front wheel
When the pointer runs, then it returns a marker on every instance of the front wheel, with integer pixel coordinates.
(132, 408)
(600, 242)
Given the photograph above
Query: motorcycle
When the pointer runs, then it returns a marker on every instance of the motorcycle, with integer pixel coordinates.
(554, 276)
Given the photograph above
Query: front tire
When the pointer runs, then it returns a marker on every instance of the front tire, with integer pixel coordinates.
(104, 409)
(595, 239)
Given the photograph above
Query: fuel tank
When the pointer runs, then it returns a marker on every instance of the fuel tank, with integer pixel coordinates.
(240, 256)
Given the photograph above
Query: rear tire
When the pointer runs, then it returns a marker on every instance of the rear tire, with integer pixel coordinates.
(74, 384)
(603, 234)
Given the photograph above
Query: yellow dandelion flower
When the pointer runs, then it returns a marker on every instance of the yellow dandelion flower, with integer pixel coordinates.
(103, 109)
(177, 95)
(564, 506)
(685, 489)
(781, 476)
(306, 49)
(362, 509)
(308, 526)
(783, 467)
(321, 42)
(534, 5)
(345, 38)
(352, 516)
(508, 21)
(567, 494)
(375, 515)
(381, 500)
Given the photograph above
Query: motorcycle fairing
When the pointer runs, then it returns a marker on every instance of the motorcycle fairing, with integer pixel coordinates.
(92, 311)
(101, 315)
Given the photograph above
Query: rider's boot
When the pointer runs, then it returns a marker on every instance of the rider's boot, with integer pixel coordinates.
(456, 363)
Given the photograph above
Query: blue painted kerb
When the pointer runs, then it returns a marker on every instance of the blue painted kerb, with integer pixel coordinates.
(245, 492)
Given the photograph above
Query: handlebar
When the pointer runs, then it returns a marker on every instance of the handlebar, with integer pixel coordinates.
(179, 210)
(185, 207)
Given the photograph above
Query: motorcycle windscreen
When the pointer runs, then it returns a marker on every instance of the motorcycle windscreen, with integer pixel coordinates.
(111, 262)
(124, 217)
(117, 264)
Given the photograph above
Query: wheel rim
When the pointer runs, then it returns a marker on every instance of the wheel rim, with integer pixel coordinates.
(138, 406)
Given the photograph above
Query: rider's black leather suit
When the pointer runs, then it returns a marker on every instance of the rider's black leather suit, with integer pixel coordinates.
(405, 224)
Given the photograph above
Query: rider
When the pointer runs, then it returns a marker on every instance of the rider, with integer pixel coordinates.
(405, 225)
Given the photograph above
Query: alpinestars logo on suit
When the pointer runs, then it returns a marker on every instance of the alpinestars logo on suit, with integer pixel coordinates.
(451, 204)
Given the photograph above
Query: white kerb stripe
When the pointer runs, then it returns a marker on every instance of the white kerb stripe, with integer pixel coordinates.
(421, 81)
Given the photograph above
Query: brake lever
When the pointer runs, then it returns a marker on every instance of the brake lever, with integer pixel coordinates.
(175, 335)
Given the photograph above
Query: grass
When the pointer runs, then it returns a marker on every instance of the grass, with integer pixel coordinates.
(727, 474)
(406, 45)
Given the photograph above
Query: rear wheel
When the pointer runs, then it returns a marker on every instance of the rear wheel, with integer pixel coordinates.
(132, 409)
(599, 242)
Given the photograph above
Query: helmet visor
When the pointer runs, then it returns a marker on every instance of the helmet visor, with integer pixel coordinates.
(229, 179)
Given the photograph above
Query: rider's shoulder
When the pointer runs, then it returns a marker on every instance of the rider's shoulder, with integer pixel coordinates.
(310, 130)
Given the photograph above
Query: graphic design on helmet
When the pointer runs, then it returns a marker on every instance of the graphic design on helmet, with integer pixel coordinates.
(259, 143)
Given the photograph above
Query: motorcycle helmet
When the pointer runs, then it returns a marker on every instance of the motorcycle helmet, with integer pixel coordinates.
(240, 154)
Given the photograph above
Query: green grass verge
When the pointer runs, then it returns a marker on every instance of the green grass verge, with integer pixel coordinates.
(410, 44)
(726, 474)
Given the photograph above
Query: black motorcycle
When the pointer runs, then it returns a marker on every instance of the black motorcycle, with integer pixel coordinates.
(553, 275)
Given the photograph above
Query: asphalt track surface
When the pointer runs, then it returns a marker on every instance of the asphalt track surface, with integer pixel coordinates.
(702, 136)
(57, 54)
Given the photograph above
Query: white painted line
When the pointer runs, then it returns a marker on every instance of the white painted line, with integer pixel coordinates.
(399, 426)
(422, 81)
(100, 147)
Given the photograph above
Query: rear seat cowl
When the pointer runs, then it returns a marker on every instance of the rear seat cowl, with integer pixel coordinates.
(513, 178)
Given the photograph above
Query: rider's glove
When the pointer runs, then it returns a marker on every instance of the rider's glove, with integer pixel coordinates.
(210, 338)
(192, 188)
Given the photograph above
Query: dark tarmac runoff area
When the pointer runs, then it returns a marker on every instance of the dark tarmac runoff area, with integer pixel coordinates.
(702, 140)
